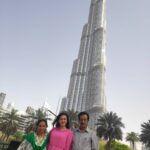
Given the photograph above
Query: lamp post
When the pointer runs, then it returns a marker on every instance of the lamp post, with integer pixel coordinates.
(51, 112)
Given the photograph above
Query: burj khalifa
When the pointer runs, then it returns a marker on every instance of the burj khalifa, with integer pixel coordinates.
(87, 81)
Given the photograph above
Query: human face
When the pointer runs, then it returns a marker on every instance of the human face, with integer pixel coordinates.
(41, 128)
(83, 121)
(62, 121)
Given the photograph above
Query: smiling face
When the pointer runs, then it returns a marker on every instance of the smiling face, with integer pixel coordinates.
(62, 121)
(41, 127)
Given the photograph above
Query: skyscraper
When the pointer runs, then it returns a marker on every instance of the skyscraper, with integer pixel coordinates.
(63, 104)
(2, 98)
(87, 82)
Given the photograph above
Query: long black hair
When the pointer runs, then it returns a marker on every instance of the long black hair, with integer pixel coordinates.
(39, 121)
(56, 121)
(42, 120)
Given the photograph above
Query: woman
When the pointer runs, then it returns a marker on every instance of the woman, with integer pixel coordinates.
(37, 140)
(60, 137)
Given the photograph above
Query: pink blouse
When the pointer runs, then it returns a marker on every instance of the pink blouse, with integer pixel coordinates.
(60, 139)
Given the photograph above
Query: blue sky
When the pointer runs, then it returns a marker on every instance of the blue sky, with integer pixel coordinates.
(40, 39)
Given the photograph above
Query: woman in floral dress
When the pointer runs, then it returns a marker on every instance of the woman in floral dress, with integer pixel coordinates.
(37, 140)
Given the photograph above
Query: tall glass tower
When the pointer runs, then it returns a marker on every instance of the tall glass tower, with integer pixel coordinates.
(87, 82)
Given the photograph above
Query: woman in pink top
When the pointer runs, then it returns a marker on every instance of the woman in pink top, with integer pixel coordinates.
(60, 137)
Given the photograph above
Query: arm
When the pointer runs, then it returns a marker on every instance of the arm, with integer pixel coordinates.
(94, 142)
(25, 145)
(69, 141)
(49, 138)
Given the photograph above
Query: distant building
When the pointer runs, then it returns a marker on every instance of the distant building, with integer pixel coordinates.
(30, 110)
(63, 104)
(23, 118)
(2, 98)
(3, 111)
(45, 106)
(10, 106)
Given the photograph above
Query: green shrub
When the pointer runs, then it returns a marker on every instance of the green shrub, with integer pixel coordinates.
(114, 145)
(119, 146)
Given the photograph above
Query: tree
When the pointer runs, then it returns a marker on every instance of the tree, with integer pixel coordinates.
(109, 127)
(18, 136)
(145, 133)
(132, 137)
(34, 117)
(10, 123)
(73, 117)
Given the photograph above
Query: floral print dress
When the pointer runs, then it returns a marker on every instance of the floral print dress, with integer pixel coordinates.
(33, 142)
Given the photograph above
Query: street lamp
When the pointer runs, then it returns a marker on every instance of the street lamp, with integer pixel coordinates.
(51, 112)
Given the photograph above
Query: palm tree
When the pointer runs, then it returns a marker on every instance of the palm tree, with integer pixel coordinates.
(145, 133)
(109, 127)
(10, 123)
(18, 136)
(31, 127)
(39, 114)
(132, 137)
(73, 117)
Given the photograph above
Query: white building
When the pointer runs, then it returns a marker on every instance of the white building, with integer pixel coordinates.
(23, 118)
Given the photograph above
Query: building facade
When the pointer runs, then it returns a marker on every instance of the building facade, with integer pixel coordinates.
(87, 82)
(63, 104)
(30, 110)
(22, 116)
